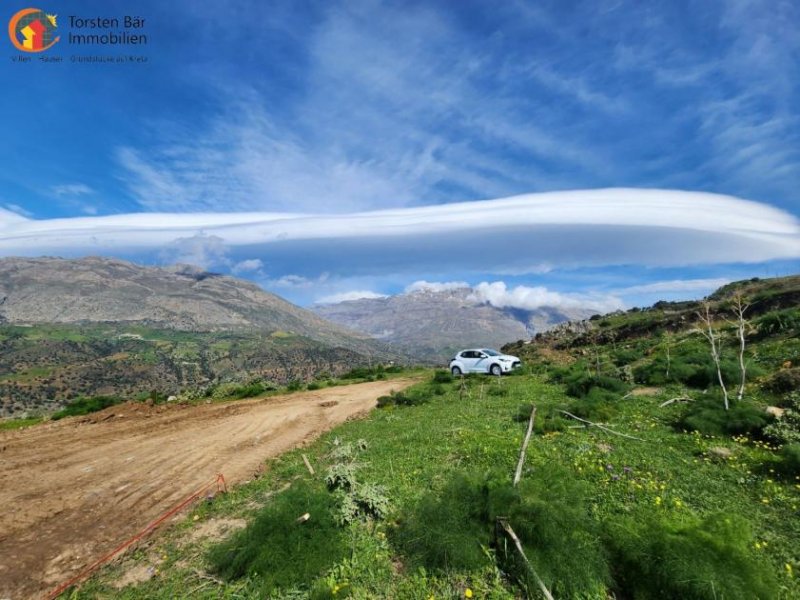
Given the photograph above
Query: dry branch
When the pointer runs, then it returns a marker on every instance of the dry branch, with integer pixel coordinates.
(603, 427)
(671, 400)
(521, 461)
(507, 528)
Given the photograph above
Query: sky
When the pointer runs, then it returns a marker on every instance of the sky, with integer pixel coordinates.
(600, 153)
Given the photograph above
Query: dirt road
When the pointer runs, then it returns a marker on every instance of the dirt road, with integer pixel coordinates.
(74, 489)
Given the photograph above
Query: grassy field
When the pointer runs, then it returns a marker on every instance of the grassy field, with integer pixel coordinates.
(403, 504)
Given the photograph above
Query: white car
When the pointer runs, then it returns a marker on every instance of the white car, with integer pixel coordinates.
(483, 360)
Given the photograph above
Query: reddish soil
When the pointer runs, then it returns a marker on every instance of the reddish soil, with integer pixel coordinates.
(72, 490)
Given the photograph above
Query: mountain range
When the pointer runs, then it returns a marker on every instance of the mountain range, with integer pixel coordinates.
(98, 326)
(432, 324)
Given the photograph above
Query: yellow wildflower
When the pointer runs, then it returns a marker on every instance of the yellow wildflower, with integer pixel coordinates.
(468, 593)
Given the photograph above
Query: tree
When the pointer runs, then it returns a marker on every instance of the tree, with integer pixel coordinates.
(714, 343)
(739, 308)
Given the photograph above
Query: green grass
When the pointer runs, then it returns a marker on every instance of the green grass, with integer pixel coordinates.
(445, 466)
(85, 406)
(10, 424)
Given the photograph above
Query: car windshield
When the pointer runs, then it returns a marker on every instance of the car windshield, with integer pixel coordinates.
(490, 352)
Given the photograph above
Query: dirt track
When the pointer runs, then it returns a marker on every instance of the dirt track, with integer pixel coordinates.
(74, 489)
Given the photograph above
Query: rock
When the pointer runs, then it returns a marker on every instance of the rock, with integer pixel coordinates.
(775, 411)
(720, 452)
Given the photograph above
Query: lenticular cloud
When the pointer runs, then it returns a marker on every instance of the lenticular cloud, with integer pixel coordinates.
(509, 235)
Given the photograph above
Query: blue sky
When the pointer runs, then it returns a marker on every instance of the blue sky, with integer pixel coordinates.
(341, 108)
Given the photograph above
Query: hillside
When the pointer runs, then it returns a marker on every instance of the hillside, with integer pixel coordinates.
(434, 324)
(180, 297)
(634, 335)
(92, 326)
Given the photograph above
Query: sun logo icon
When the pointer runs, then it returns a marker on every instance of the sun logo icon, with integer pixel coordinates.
(32, 30)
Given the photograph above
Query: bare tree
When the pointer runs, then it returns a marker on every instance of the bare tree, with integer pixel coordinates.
(739, 308)
(713, 341)
(667, 344)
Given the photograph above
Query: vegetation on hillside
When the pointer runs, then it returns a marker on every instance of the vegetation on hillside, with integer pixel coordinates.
(45, 367)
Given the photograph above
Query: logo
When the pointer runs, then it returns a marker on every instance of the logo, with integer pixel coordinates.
(31, 30)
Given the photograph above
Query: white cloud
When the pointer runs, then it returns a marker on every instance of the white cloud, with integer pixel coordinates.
(10, 216)
(200, 250)
(15, 209)
(530, 298)
(435, 286)
(560, 229)
(71, 189)
(349, 296)
(249, 265)
(297, 281)
(676, 286)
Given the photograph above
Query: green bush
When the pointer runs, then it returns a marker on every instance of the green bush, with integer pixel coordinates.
(706, 560)
(84, 406)
(294, 386)
(786, 430)
(691, 366)
(401, 399)
(710, 417)
(279, 552)
(778, 321)
(547, 512)
(445, 530)
(579, 381)
(783, 381)
(443, 377)
(790, 460)
(314, 385)
(597, 405)
(371, 373)
(625, 356)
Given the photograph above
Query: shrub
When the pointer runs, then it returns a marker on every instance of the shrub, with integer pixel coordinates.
(779, 321)
(294, 386)
(790, 459)
(786, 430)
(709, 559)
(691, 366)
(445, 530)
(783, 381)
(579, 381)
(401, 399)
(314, 385)
(279, 552)
(442, 377)
(84, 406)
(710, 417)
(547, 512)
(597, 405)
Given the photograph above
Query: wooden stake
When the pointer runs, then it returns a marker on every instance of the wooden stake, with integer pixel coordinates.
(507, 528)
(521, 461)
(308, 464)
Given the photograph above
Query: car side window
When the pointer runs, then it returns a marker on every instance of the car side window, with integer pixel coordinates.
(469, 354)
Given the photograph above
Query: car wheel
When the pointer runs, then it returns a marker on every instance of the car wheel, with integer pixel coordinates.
(496, 370)
(456, 372)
